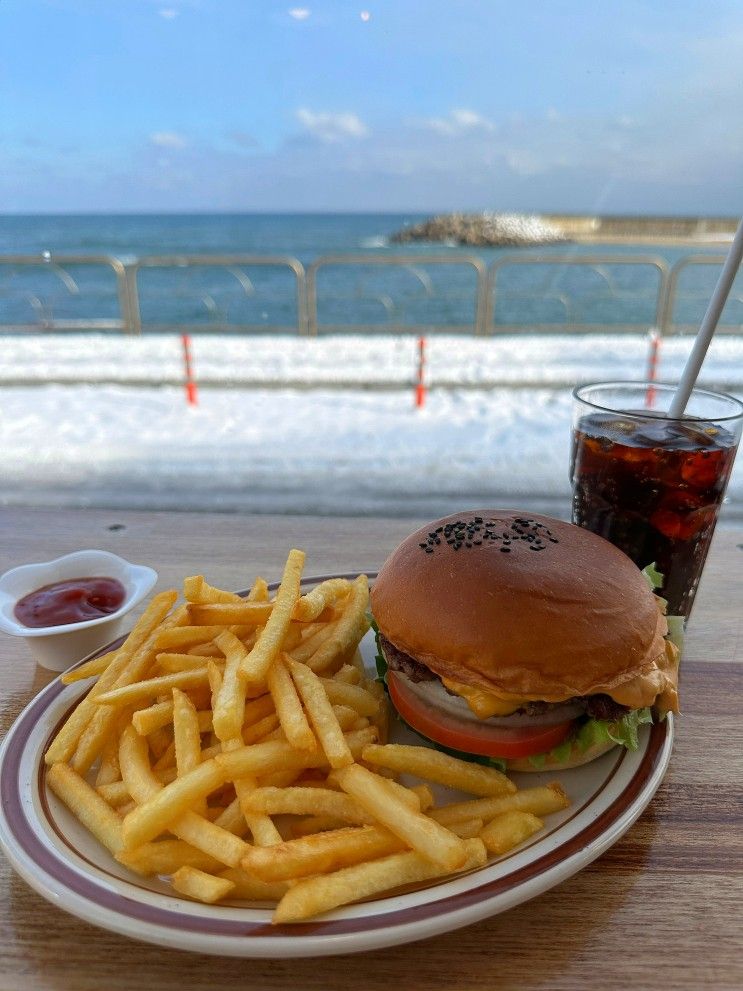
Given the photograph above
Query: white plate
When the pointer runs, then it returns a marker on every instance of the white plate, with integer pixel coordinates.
(58, 858)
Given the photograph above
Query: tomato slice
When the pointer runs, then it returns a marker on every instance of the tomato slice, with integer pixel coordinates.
(489, 741)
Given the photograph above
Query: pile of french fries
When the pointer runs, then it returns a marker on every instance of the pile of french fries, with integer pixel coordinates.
(236, 746)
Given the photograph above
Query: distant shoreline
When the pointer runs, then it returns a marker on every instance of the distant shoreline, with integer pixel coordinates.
(482, 229)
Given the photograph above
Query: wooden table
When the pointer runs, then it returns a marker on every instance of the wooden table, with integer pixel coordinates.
(663, 908)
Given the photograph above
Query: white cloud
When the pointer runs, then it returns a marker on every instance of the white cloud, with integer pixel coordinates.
(168, 13)
(330, 127)
(299, 13)
(168, 139)
(458, 122)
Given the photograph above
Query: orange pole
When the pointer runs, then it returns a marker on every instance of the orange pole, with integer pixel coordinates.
(420, 384)
(192, 397)
(654, 340)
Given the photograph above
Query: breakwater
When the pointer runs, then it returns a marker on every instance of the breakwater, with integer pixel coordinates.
(527, 230)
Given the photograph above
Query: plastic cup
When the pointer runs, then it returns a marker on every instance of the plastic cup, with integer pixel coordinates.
(651, 483)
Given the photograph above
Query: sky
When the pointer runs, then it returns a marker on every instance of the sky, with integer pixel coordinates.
(619, 106)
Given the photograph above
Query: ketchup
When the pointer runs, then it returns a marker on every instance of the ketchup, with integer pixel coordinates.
(73, 601)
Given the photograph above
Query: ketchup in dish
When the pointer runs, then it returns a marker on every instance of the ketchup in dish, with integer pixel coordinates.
(72, 601)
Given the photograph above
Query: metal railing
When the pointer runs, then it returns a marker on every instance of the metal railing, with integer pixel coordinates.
(234, 264)
(58, 265)
(411, 263)
(481, 294)
(597, 263)
(672, 295)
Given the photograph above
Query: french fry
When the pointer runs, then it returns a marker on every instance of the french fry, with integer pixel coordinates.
(316, 824)
(348, 674)
(115, 793)
(187, 736)
(320, 711)
(540, 801)
(242, 613)
(349, 629)
(408, 796)
(307, 801)
(185, 636)
(348, 718)
(256, 664)
(196, 589)
(427, 837)
(108, 769)
(232, 819)
(382, 719)
(264, 758)
(155, 717)
(262, 828)
(140, 691)
(425, 796)
(441, 768)
(166, 758)
(158, 741)
(352, 695)
(288, 707)
(258, 591)
(509, 829)
(251, 889)
(89, 669)
(229, 706)
(206, 650)
(214, 675)
(314, 641)
(317, 895)
(171, 663)
(320, 853)
(87, 805)
(125, 666)
(193, 883)
(312, 604)
(279, 779)
(260, 730)
(166, 857)
(467, 828)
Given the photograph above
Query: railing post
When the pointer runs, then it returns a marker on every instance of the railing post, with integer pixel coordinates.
(132, 294)
(312, 297)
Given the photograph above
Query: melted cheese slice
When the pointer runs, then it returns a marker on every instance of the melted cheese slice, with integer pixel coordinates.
(484, 704)
(656, 686)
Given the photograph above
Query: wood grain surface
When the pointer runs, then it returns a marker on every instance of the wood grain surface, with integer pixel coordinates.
(662, 909)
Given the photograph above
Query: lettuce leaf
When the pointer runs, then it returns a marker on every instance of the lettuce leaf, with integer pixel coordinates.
(653, 577)
(379, 660)
(624, 731)
(655, 580)
(676, 631)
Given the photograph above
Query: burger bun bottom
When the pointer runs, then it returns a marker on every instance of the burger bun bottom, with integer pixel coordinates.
(575, 758)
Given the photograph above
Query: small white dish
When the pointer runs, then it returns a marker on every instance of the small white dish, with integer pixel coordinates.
(57, 647)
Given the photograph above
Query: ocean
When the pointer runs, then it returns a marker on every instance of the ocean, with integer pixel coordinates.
(263, 299)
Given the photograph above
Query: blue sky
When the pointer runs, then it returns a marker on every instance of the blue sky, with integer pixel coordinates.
(147, 105)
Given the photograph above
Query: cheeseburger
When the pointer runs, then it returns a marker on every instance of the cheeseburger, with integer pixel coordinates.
(521, 640)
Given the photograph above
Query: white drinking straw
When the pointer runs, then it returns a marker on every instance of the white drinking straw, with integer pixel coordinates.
(708, 325)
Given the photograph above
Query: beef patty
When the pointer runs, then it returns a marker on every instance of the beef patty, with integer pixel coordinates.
(595, 706)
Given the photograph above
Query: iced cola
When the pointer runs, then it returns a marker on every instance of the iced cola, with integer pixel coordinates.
(653, 486)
